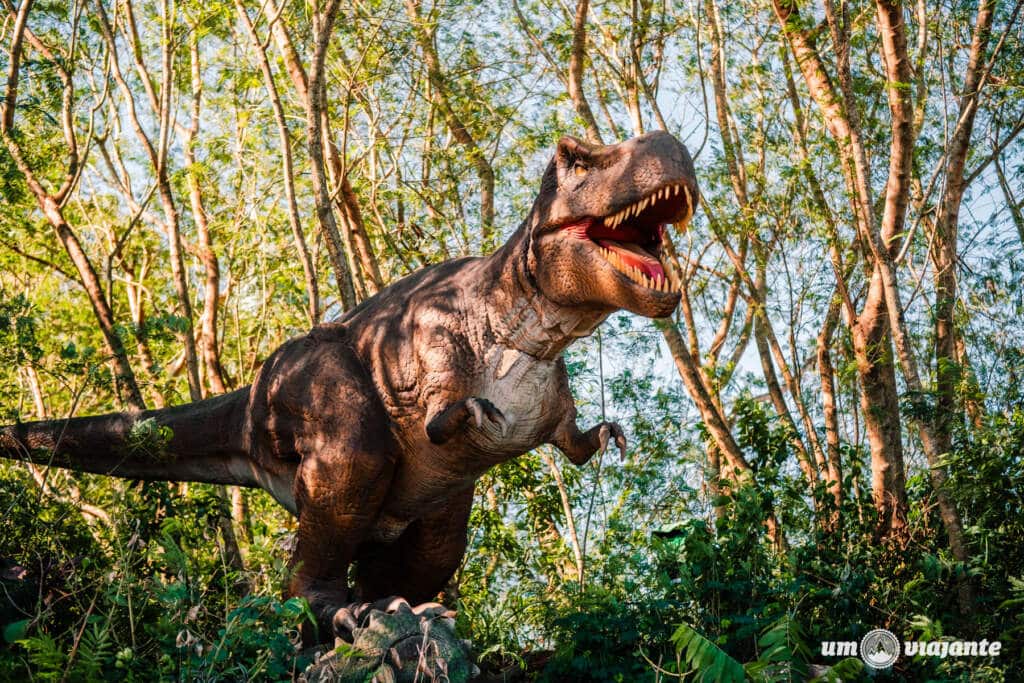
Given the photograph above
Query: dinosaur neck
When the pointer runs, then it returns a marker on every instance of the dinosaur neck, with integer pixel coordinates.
(520, 316)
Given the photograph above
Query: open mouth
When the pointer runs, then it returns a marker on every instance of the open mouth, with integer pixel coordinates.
(631, 238)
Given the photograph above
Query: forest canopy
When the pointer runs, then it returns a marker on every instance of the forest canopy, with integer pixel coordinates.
(825, 438)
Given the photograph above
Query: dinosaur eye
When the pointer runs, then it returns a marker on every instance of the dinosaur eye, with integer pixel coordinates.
(579, 169)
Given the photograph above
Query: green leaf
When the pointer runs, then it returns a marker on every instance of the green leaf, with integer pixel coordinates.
(703, 656)
(15, 630)
(844, 670)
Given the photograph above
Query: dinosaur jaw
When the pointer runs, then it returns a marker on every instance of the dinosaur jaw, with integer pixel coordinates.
(630, 239)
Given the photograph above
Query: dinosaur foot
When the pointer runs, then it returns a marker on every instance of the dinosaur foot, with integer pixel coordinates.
(391, 641)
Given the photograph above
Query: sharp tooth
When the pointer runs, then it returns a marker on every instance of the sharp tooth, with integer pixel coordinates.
(677, 189)
(689, 205)
(643, 204)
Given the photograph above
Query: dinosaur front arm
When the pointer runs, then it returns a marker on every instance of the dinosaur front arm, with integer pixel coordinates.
(580, 446)
(442, 360)
(451, 419)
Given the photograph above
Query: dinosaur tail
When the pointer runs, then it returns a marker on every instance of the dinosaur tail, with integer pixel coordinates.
(205, 441)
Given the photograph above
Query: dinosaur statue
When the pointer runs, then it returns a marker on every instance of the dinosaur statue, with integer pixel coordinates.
(373, 429)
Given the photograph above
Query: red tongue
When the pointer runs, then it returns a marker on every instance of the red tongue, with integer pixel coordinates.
(632, 255)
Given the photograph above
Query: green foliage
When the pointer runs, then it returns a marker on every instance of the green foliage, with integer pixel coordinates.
(147, 439)
(602, 637)
(149, 598)
(703, 656)
(19, 329)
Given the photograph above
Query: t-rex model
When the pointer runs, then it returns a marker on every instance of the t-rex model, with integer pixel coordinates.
(373, 429)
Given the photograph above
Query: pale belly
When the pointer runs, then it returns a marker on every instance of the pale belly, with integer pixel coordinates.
(524, 389)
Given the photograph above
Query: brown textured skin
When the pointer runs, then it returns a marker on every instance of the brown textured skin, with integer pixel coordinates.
(373, 429)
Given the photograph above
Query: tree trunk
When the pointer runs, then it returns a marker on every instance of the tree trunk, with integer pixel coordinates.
(458, 129)
(288, 171)
(315, 97)
(211, 292)
(871, 329)
(880, 406)
(577, 60)
(826, 373)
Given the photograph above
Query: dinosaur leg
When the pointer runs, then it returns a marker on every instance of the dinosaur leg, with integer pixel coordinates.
(414, 568)
(347, 464)
(418, 643)
(419, 564)
(326, 542)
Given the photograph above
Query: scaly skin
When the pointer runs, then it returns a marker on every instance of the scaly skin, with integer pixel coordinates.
(374, 428)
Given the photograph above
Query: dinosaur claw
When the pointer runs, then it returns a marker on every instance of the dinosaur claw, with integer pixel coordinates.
(344, 623)
(477, 410)
(397, 605)
(498, 418)
(481, 408)
(432, 609)
(610, 431)
(502, 423)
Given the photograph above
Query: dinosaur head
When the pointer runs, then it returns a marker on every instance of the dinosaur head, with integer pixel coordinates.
(598, 224)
